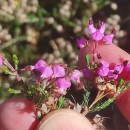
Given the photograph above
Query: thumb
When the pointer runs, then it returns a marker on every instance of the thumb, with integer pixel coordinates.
(65, 119)
(110, 53)
(113, 55)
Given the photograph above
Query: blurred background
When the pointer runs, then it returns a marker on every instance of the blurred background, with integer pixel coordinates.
(47, 29)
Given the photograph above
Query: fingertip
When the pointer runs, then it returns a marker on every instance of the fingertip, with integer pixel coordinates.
(65, 119)
(110, 53)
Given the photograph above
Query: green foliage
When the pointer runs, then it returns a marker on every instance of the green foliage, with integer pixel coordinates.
(126, 86)
(95, 65)
(31, 90)
(121, 82)
(60, 102)
(102, 105)
(6, 70)
(87, 57)
(86, 98)
(14, 91)
(16, 61)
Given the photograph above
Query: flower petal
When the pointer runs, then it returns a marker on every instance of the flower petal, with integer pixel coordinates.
(58, 71)
(81, 42)
(102, 27)
(97, 35)
(108, 38)
(63, 83)
(87, 73)
(75, 75)
(119, 68)
(91, 29)
(104, 63)
(127, 67)
(112, 75)
(1, 61)
(46, 71)
(40, 64)
(103, 71)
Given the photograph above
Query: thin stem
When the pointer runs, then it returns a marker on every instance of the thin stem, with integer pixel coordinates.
(86, 111)
(11, 42)
(99, 96)
(94, 52)
(12, 69)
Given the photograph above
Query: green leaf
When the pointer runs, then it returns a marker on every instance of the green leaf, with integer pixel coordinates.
(41, 17)
(31, 90)
(47, 94)
(40, 89)
(103, 105)
(87, 58)
(14, 91)
(33, 18)
(126, 86)
(16, 61)
(95, 65)
(86, 98)
(60, 102)
(6, 70)
(121, 82)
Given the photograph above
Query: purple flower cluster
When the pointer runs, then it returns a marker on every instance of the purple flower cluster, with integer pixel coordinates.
(59, 73)
(96, 34)
(48, 71)
(103, 70)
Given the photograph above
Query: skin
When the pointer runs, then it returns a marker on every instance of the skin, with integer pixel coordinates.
(18, 114)
(110, 53)
(113, 55)
(65, 119)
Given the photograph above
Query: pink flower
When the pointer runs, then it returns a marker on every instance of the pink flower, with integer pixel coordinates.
(81, 42)
(75, 75)
(58, 71)
(46, 71)
(111, 74)
(63, 83)
(127, 67)
(103, 71)
(108, 38)
(91, 29)
(40, 65)
(102, 27)
(1, 61)
(104, 63)
(119, 68)
(103, 68)
(116, 71)
(87, 73)
(97, 34)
